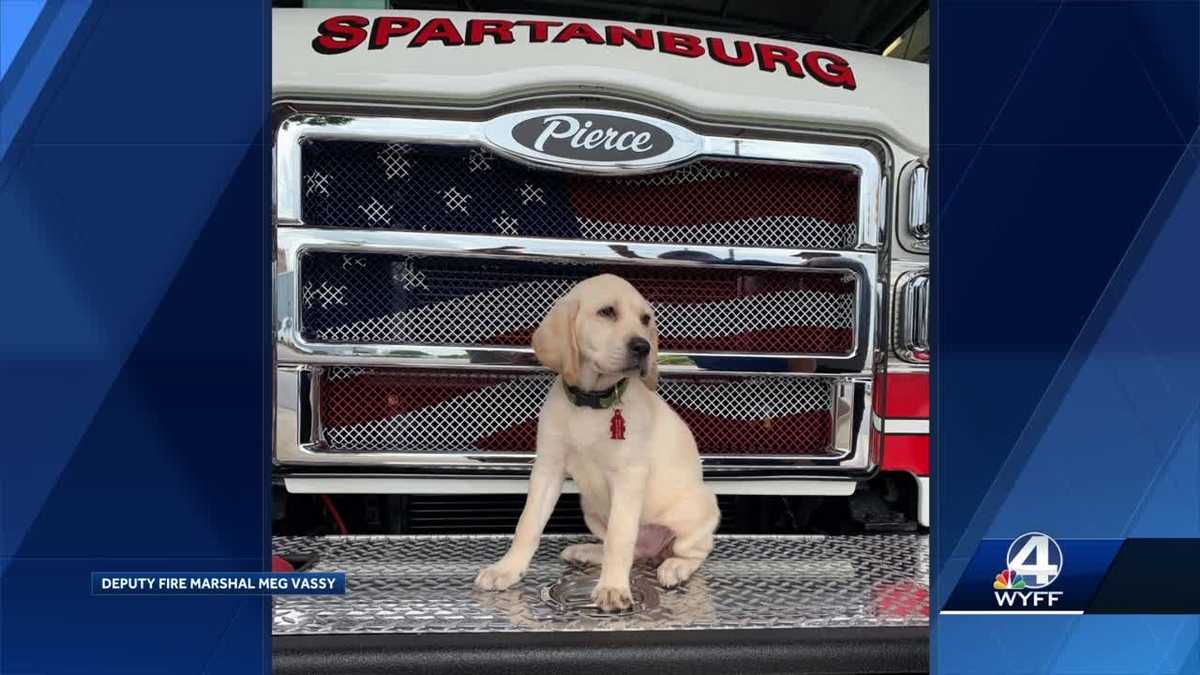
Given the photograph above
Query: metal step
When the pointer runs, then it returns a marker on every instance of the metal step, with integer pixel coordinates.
(423, 584)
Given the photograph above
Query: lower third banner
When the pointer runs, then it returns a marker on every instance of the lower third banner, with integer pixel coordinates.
(1037, 574)
(219, 583)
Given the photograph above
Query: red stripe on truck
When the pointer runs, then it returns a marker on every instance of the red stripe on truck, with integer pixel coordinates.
(907, 395)
(906, 453)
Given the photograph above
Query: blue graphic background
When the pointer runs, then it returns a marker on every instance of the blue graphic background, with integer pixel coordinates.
(133, 355)
(134, 197)
(1067, 339)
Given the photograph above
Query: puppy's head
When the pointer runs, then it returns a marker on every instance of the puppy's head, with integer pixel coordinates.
(602, 324)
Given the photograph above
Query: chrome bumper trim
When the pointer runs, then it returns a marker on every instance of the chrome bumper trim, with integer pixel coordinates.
(901, 425)
(434, 485)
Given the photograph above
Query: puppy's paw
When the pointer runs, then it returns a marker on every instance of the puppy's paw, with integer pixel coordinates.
(585, 554)
(675, 571)
(612, 598)
(498, 577)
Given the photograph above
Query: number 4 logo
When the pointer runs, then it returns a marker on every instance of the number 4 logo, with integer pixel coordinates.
(1036, 557)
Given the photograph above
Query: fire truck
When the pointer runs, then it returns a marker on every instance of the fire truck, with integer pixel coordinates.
(441, 177)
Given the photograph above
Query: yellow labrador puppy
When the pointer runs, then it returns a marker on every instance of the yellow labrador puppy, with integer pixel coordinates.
(631, 455)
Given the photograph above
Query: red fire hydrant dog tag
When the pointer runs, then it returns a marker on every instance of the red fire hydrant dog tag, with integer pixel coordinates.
(617, 425)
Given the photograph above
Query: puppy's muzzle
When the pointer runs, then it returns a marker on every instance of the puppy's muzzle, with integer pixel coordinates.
(639, 349)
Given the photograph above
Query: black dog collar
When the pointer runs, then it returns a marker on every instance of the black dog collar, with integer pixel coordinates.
(596, 399)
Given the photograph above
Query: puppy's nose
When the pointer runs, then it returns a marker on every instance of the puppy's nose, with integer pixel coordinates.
(639, 347)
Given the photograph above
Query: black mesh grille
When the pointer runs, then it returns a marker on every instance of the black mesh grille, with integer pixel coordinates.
(468, 190)
(389, 299)
(498, 514)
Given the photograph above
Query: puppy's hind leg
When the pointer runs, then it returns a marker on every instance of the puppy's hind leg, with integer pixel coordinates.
(693, 542)
(588, 554)
(585, 554)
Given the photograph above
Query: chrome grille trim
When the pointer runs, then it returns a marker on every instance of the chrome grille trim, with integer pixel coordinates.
(423, 411)
(913, 214)
(714, 201)
(292, 347)
(294, 130)
(297, 440)
(301, 437)
(404, 299)
(913, 314)
(918, 203)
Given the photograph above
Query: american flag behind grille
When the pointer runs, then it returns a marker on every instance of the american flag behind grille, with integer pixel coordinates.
(431, 411)
(462, 189)
(378, 298)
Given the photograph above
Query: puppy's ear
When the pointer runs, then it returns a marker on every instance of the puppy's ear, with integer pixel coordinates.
(650, 379)
(554, 340)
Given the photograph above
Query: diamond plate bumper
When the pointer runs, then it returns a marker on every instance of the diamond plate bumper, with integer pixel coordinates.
(423, 584)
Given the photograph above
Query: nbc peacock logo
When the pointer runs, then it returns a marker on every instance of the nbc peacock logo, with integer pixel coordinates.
(1008, 580)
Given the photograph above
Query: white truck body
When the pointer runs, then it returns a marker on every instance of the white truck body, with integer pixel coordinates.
(891, 99)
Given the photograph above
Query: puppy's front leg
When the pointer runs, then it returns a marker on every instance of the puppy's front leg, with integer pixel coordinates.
(628, 487)
(545, 486)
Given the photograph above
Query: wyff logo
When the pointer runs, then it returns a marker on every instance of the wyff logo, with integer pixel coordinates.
(1033, 562)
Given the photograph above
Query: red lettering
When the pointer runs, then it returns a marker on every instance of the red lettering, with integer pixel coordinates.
(835, 73)
(499, 29)
(539, 31)
(342, 33)
(679, 43)
(770, 55)
(339, 34)
(642, 38)
(442, 30)
(579, 31)
(388, 27)
(716, 49)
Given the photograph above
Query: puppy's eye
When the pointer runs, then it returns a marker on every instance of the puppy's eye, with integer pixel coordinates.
(608, 312)
(645, 319)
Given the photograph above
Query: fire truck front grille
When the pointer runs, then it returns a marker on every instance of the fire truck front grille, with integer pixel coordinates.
(372, 299)
(462, 189)
(436, 411)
